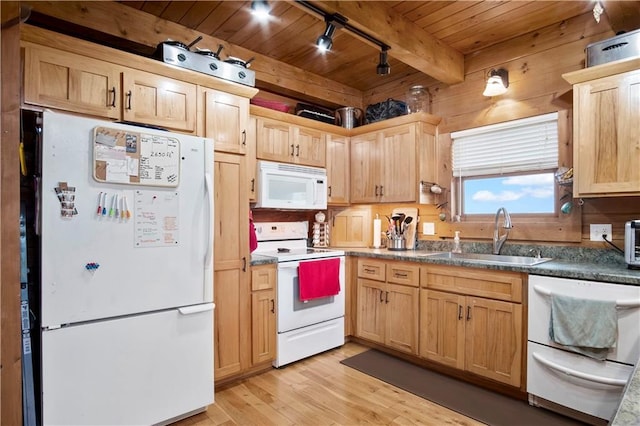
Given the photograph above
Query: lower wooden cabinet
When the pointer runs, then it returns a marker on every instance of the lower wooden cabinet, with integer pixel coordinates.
(477, 334)
(388, 312)
(263, 313)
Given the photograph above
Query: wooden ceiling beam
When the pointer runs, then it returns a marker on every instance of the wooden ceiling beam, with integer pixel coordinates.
(409, 43)
(124, 22)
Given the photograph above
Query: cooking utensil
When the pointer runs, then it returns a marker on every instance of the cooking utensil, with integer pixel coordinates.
(190, 45)
(238, 61)
(207, 52)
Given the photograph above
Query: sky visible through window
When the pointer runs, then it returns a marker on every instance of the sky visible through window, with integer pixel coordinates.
(532, 193)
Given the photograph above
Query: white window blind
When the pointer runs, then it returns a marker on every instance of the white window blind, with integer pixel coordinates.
(529, 144)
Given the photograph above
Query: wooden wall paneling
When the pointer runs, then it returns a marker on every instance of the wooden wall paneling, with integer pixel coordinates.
(614, 210)
(10, 326)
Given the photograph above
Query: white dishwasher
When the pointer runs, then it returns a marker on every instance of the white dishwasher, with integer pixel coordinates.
(569, 379)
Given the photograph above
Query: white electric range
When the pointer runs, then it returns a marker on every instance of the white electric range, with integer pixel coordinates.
(309, 327)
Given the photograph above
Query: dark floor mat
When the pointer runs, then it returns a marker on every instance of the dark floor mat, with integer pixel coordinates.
(465, 398)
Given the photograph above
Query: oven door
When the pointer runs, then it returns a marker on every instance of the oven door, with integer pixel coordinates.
(294, 313)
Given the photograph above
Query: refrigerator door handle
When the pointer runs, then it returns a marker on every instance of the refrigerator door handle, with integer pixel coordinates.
(209, 187)
(188, 310)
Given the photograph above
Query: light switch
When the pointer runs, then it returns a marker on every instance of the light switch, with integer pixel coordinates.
(428, 228)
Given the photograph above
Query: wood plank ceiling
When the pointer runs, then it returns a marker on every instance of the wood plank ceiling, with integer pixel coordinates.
(426, 37)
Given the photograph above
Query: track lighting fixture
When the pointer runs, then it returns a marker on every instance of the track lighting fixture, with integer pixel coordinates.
(260, 8)
(383, 67)
(497, 82)
(334, 22)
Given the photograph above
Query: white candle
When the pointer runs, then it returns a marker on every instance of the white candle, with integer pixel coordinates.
(377, 231)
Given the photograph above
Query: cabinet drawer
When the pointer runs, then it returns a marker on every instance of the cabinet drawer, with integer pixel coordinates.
(403, 273)
(371, 269)
(263, 277)
(492, 284)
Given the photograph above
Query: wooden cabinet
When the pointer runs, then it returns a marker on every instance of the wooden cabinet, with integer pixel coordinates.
(387, 164)
(224, 118)
(606, 144)
(471, 319)
(284, 142)
(157, 100)
(251, 161)
(388, 303)
(338, 169)
(263, 313)
(232, 293)
(71, 82)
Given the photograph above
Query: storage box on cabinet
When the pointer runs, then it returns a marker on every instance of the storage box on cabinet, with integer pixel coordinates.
(471, 319)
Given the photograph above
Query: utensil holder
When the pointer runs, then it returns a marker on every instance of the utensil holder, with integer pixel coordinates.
(396, 243)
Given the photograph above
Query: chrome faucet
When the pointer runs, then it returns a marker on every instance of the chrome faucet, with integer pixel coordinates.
(498, 240)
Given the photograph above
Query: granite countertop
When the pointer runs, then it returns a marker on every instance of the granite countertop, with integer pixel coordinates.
(605, 272)
(628, 413)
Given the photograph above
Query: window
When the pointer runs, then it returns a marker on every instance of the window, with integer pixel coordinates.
(509, 164)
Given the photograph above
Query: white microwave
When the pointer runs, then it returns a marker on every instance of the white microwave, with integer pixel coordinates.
(289, 186)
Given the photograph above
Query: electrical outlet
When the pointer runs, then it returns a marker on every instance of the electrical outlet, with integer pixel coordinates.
(597, 230)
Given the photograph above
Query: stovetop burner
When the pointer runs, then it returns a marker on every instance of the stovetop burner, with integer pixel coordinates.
(205, 61)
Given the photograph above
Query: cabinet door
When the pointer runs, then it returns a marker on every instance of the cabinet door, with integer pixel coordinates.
(607, 140)
(338, 160)
(231, 253)
(402, 307)
(365, 160)
(225, 117)
(442, 325)
(398, 167)
(71, 82)
(493, 339)
(160, 101)
(251, 161)
(310, 147)
(371, 321)
(263, 326)
(273, 141)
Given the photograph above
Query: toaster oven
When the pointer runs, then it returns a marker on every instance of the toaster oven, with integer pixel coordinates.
(632, 243)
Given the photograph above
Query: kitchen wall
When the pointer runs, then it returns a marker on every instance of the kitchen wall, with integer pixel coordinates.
(535, 63)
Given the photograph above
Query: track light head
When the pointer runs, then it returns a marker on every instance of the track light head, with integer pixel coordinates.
(334, 22)
(383, 67)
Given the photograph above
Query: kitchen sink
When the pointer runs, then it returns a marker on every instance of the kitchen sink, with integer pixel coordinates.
(489, 258)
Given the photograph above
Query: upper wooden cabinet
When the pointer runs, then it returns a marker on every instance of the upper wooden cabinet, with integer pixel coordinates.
(224, 118)
(388, 163)
(58, 79)
(606, 153)
(157, 100)
(71, 82)
(338, 169)
(284, 142)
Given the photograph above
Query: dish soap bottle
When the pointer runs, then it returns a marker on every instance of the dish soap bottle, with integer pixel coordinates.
(456, 243)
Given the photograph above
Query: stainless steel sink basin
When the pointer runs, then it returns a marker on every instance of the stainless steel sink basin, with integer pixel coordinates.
(489, 258)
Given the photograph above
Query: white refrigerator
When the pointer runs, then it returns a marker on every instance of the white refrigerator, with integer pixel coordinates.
(126, 273)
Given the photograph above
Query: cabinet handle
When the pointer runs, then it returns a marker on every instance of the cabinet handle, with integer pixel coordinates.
(468, 313)
(376, 190)
(113, 102)
(298, 150)
(400, 275)
(381, 299)
(386, 297)
(381, 193)
(329, 188)
(459, 312)
(244, 264)
(129, 99)
(369, 271)
(253, 185)
(244, 137)
(273, 306)
(292, 150)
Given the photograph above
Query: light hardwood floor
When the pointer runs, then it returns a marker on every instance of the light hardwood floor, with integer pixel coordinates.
(321, 391)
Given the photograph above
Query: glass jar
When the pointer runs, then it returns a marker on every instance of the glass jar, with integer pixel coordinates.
(417, 99)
